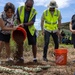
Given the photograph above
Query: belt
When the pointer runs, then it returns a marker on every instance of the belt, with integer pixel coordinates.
(50, 22)
(54, 31)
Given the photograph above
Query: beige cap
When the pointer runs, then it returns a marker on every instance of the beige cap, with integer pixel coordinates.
(53, 4)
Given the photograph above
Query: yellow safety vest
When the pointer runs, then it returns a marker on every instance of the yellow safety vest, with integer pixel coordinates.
(21, 11)
(50, 21)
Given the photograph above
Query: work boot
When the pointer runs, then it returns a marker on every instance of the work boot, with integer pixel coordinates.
(45, 59)
(9, 61)
(35, 60)
(19, 61)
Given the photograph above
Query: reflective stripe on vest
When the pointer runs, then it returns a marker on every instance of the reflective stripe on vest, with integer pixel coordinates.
(32, 14)
(50, 21)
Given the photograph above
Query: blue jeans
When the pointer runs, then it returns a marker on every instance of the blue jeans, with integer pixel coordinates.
(46, 42)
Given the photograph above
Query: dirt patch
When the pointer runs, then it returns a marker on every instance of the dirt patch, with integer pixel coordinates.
(68, 69)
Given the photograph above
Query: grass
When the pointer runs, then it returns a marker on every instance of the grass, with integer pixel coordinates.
(67, 46)
(40, 44)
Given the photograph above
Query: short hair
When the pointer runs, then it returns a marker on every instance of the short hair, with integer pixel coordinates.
(30, 0)
(9, 6)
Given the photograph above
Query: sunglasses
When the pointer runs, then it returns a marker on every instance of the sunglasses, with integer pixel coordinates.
(29, 6)
(52, 8)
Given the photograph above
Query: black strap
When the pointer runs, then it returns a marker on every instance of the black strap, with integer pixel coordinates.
(4, 19)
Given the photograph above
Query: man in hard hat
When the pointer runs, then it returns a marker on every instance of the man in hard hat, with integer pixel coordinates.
(50, 25)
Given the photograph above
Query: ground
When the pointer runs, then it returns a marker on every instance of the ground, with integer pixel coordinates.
(54, 69)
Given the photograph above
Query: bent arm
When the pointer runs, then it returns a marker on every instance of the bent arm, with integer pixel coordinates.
(3, 27)
(29, 23)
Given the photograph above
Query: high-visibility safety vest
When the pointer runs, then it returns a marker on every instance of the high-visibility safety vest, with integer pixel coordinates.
(50, 21)
(33, 12)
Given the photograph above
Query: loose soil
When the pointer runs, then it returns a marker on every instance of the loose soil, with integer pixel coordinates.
(68, 69)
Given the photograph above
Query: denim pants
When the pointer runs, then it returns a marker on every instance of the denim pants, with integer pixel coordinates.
(46, 42)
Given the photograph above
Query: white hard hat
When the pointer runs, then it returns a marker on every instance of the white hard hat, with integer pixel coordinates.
(53, 4)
